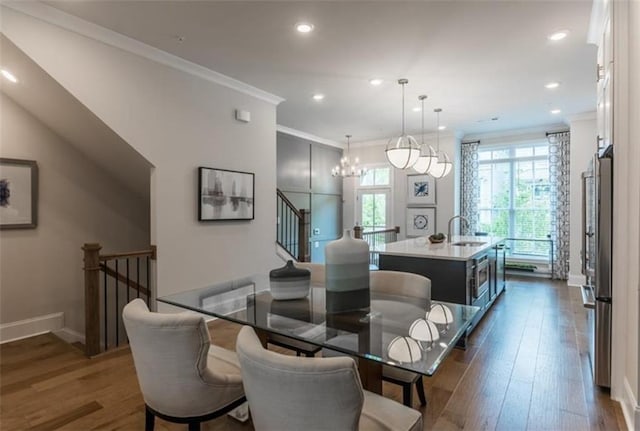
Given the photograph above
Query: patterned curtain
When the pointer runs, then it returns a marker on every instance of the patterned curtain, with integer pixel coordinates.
(559, 182)
(470, 186)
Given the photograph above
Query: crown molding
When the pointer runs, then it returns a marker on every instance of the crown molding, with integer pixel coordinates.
(77, 25)
(516, 133)
(308, 136)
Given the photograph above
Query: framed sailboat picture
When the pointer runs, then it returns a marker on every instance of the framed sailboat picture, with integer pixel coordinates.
(18, 194)
(225, 195)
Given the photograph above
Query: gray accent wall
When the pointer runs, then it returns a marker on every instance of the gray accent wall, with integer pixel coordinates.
(304, 176)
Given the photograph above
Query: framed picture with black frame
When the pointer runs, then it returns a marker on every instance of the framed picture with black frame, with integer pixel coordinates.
(421, 190)
(18, 194)
(225, 195)
(421, 221)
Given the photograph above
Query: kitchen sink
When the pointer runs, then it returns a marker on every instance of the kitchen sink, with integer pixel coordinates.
(468, 243)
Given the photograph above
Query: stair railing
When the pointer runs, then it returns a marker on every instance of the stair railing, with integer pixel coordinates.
(110, 282)
(292, 230)
(376, 238)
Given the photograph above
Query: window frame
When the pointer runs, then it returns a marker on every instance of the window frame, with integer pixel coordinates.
(512, 160)
(388, 189)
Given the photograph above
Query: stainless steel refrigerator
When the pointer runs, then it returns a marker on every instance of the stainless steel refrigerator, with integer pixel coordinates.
(597, 209)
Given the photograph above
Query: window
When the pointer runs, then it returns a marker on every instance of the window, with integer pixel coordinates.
(515, 195)
(373, 199)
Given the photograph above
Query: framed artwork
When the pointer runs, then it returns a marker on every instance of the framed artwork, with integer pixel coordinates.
(225, 195)
(421, 221)
(18, 194)
(421, 190)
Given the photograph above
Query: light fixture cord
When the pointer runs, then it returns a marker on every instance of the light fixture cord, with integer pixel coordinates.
(438, 131)
(403, 109)
(422, 140)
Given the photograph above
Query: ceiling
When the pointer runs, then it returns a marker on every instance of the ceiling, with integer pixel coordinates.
(476, 60)
(55, 107)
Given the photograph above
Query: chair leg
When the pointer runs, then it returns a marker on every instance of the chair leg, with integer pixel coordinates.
(407, 394)
(149, 420)
(420, 388)
(194, 426)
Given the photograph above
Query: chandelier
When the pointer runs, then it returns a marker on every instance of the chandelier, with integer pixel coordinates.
(346, 168)
(428, 156)
(403, 151)
(443, 165)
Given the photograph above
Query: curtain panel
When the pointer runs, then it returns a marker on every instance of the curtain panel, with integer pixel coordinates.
(559, 182)
(470, 186)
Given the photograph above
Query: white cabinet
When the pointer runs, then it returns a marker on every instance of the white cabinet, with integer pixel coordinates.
(605, 67)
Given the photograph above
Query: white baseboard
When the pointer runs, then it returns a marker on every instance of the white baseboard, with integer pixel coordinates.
(69, 335)
(29, 327)
(576, 280)
(630, 407)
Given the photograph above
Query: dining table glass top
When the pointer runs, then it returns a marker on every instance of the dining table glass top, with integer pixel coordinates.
(404, 332)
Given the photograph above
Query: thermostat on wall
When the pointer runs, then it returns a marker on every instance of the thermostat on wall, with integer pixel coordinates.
(244, 116)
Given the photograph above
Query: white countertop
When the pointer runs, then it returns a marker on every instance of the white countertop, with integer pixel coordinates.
(421, 247)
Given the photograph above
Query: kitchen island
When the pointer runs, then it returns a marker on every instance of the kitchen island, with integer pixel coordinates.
(468, 270)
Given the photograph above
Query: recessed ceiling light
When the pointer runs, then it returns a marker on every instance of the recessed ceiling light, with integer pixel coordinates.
(442, 127)
(10, 76)
(318, 96)
(304, 27)
(555, 111)
(375, 81)
(558, 35)
(551, 85)
(417, 109)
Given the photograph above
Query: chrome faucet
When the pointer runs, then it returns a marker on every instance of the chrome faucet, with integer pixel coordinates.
(466, 222)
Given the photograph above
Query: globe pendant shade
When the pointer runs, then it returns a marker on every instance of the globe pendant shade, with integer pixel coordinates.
(442, 167)
(425, 161)
(404, 350)
(424, 330)
(403, 152)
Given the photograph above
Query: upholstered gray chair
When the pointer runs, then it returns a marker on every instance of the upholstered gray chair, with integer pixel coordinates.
(183, 378)
(394, 283)
(300, 347)
(291, 393)
(411, 285)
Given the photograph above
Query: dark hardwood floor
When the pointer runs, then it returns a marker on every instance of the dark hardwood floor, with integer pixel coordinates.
(526, 367)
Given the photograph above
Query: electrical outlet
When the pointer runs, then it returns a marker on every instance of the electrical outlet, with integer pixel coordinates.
(316, 244)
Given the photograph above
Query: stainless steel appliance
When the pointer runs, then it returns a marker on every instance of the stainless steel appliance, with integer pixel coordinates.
(597, 237)
(481, 276)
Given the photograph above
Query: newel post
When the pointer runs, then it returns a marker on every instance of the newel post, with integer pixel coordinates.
(92, 298)
(357, 232)
(303, 236)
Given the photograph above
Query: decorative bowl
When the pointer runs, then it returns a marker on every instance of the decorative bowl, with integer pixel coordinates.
(435, 240)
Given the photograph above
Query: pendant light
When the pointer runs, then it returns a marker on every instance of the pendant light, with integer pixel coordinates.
(428, 156)
(442, 168)
(346, 168)
(402, 152)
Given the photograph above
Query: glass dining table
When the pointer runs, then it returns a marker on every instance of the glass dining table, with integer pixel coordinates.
(404, 332)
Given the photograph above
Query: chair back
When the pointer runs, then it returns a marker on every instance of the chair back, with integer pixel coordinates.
(400, 283)
(293, 393)
(170, 355)
(316, 269)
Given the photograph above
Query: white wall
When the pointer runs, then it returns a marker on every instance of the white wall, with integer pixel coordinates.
(447, 198)
(178, 121)
(626, 235)
(78, 202)
(583, 148)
